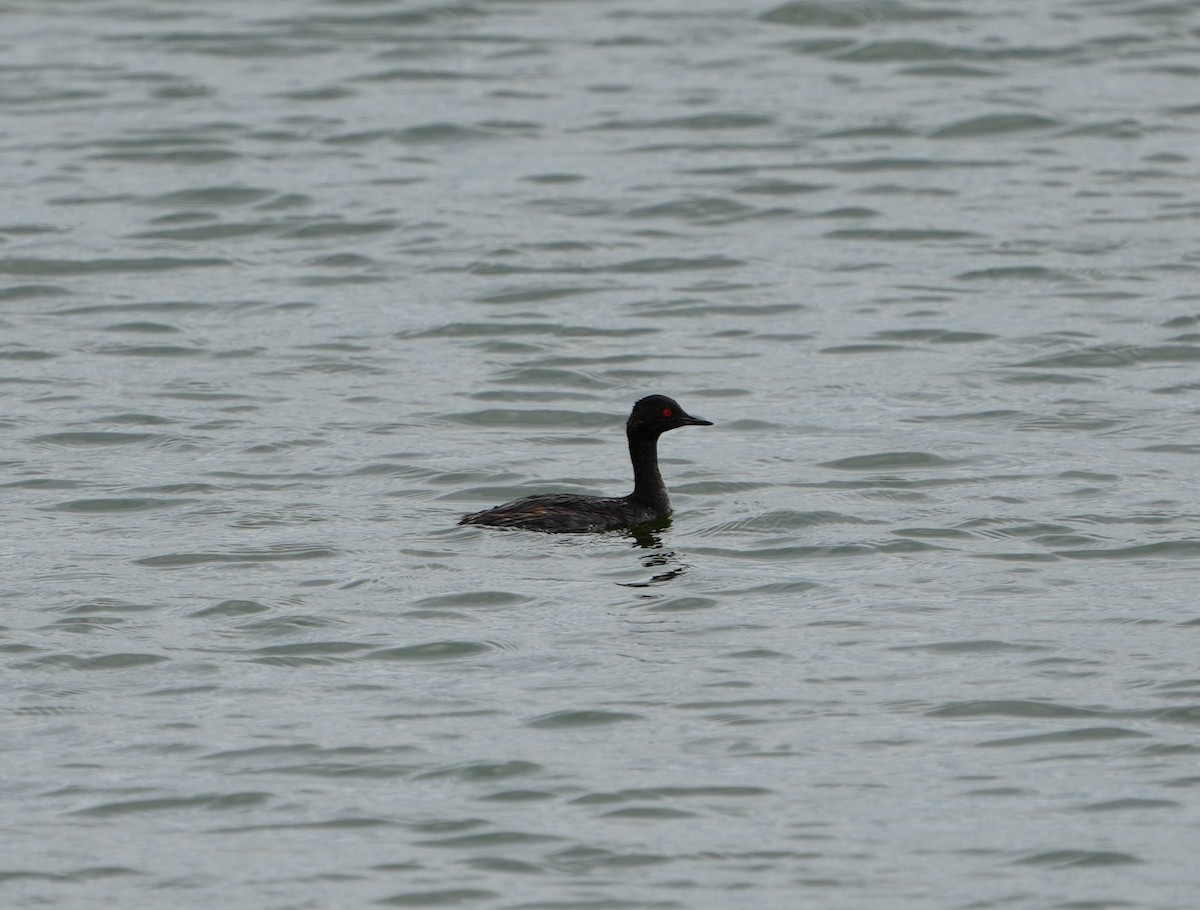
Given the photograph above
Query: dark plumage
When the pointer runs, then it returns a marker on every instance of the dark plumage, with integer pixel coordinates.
(567, 512)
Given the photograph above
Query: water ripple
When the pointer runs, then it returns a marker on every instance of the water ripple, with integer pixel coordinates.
(282, 290)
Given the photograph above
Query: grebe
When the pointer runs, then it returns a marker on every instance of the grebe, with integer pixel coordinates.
(567, 512)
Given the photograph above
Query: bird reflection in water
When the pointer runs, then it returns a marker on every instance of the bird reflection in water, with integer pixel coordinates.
(648, 537)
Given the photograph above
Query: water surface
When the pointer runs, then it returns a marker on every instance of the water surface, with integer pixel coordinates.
(288, 288)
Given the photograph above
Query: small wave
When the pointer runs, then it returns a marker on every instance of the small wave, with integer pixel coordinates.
(1010, 708)
(1073, 737)
(781, 520)
(217, 196)
(52, 267)
(219, 802)
(702, 122)
(1174, 549)
(1117, 356)
(94, 438)
(1066, 859)
(560, 720)
(117, 504)
(473, 600)
(99, 662)
(444, 897)
(900, 235)
(854, 14)
(432, 651)
(280, 553)
(890, 461)
(994, 124)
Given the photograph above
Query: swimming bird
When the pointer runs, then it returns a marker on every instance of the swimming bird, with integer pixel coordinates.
(568, 512)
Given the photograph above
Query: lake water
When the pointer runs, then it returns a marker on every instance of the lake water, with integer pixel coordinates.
(288, 287)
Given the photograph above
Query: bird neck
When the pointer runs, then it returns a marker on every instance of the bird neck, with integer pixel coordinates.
(648, 484)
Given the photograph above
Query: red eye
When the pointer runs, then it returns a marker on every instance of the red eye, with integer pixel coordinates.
(666, 412)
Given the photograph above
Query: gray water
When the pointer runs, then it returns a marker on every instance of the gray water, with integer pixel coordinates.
(288, 287)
